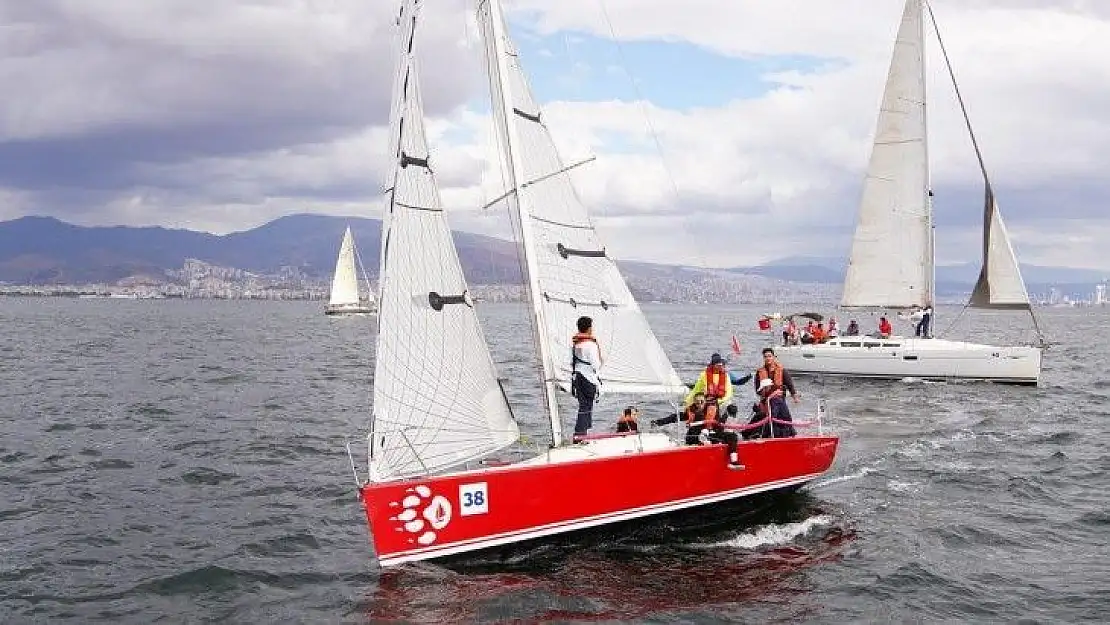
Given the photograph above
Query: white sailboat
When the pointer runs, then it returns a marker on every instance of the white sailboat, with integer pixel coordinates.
(439, 407)
(345, 298)
(892, 263)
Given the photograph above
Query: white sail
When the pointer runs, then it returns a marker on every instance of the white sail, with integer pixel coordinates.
(1000, 284)
(437, 399)
(344, 283)
(891, 262)
(574, 274)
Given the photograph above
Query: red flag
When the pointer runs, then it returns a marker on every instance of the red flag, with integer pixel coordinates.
(735, 344)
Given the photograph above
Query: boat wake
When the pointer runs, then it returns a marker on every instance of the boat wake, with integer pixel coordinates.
(842, 478)
(773, 534)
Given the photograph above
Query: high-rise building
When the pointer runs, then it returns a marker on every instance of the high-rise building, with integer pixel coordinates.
(1100, 294)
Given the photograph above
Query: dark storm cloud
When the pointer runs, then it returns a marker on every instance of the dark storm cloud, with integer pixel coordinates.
(94, 91)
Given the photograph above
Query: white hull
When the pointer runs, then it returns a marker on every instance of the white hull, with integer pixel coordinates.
(362, 308)
(906, 357)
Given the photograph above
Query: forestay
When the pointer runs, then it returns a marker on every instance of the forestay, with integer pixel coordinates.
(575, 275)
(437, 400)
(891, 262)
(344, 283)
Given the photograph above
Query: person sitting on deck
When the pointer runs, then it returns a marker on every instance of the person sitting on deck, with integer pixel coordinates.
(885, 329)
(834, 329)
(819, 335)
(853, 328)
(790, 333)
(627, 421)
(703, 427)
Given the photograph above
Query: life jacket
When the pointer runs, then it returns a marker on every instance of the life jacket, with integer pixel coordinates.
(762, 374)
(581, 337)
(716, 382)
(627, 418)
(709, 419)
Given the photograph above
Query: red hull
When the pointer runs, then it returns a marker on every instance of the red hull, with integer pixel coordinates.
(449, 514)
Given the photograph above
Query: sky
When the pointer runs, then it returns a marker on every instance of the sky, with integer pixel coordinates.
(725, 133)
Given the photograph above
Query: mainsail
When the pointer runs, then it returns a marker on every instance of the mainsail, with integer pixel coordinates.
(573, 274)
(344, 283)
(891, 263)
(437, 399)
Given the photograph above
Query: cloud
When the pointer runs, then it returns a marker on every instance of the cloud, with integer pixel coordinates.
(97, 92)
(223, 114)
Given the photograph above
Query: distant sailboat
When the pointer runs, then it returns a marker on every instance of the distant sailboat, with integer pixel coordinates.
(345, 299)
(892, 264)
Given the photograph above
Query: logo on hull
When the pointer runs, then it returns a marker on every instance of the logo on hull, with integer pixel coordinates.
(422, 514)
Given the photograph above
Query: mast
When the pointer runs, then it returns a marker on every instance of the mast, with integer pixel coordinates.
(928, 190)
(501, 91)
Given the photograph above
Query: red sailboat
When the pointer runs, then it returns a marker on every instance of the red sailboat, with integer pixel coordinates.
(439, 407)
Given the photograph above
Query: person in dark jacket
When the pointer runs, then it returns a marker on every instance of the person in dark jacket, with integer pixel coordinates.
(627, 421)
(706, 426)
(772, 383)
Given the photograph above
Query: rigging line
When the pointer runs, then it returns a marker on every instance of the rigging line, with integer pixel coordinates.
(956, 88)
(365, 276)
(641, 104)
(971, 133)
(955, 319)
(501, 165)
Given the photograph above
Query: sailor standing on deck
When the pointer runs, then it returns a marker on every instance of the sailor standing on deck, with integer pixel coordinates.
(773, 395)
(585, 381)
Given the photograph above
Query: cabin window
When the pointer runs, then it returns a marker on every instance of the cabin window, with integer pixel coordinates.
(849, 343)
(872, 344)
(892, 344)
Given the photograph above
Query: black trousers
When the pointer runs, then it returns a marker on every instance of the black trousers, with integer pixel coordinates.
(586, 393)
(779, 410)
(922, 328)
(717, 434)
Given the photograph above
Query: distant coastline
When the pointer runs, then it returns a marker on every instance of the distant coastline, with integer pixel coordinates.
(292, 258)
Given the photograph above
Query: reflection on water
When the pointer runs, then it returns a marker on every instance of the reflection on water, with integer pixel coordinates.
(707, 559)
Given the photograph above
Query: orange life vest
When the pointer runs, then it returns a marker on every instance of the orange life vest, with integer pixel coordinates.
(762, 374)
(627, 418)
(716, 382)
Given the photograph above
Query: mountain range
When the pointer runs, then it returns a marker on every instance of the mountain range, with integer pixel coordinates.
(45, 250)
(950, 278)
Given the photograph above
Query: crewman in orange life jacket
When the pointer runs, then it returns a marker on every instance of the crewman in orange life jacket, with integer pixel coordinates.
(703, 426)
(715, 383)
(772, 383)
